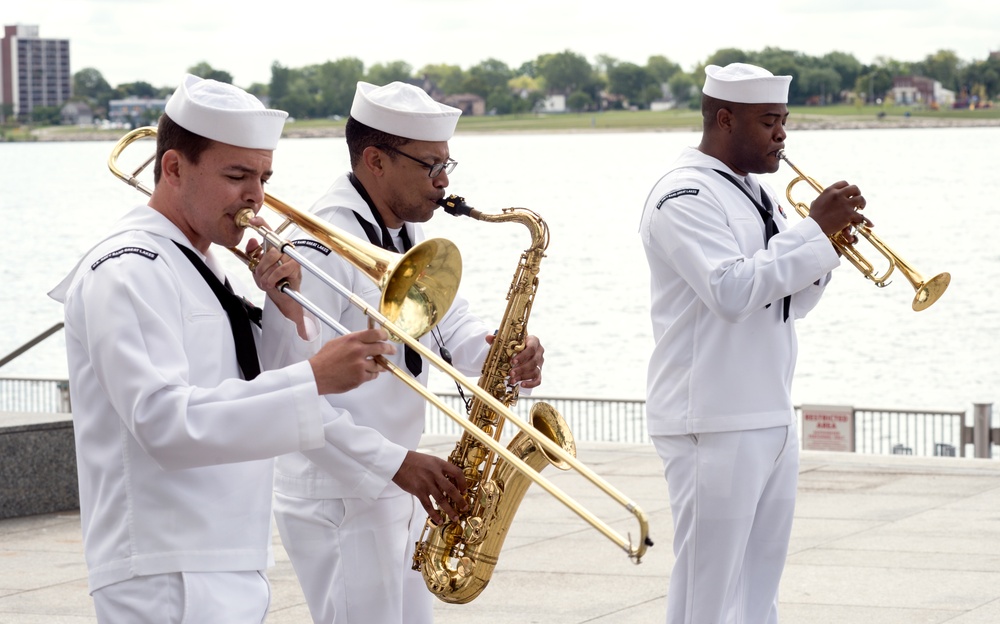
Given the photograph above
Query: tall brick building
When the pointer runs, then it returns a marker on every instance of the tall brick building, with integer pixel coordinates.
(33, 71)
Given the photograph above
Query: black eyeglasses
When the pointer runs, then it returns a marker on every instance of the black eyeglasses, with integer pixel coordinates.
(433, 169)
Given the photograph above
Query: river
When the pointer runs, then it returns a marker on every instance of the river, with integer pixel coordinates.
(931, 193)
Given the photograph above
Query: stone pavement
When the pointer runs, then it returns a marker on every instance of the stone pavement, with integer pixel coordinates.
(876, 540)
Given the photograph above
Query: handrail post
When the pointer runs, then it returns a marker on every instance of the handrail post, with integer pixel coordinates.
(982, 418)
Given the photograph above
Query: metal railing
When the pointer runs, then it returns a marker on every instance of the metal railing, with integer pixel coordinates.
(34, 395)
(901, 432)
(876, 431)
(590, 420)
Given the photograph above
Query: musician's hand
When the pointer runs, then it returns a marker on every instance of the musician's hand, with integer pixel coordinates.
(346, 362)
(838, 208)
(274, 269)
(428, 477)
(526, 366)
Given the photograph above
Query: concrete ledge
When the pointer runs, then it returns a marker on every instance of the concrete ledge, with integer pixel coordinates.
(37, 464)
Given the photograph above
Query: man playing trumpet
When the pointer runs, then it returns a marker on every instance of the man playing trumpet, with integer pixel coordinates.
(729, 277)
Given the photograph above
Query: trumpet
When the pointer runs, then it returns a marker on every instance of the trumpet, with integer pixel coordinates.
(927, 291)
(383, 268)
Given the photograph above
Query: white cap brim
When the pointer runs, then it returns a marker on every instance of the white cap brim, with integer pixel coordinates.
(404, 110)
(745, 84)
(225, 113)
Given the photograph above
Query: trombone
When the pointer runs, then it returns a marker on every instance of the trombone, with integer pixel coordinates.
(927, 291)
(395, 275)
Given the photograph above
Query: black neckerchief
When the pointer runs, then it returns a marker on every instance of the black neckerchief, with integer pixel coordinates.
(240, 312)
(413, 361)
(770, 226)
(385, 240)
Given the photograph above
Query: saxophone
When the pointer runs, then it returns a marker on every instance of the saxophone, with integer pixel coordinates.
(457, 558)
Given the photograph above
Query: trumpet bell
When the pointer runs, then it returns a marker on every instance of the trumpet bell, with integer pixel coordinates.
(930, 291)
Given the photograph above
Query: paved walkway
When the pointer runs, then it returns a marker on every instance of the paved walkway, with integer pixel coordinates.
(877, 540)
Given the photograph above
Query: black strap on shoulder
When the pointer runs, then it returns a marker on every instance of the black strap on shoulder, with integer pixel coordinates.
(770, 227)
(766, 213)
(240, 312)
(413, 360)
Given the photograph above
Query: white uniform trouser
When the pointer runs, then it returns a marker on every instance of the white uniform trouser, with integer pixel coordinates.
(186, 598)
(353, 558)
(732, 496)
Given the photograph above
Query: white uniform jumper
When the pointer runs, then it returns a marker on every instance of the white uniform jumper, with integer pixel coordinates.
(174, 449)
(352, 554)
(719, 383)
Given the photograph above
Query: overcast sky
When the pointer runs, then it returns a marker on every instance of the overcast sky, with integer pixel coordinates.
(157, 40)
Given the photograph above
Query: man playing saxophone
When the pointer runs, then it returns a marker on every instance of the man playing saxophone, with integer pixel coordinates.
(353, 555)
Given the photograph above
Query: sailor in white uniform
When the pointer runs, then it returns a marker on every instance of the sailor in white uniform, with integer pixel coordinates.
(177, 418)
(729, 277)
(352, 552)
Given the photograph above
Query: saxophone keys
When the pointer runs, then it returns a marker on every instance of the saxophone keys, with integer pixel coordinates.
(489, 494)
(474, 530)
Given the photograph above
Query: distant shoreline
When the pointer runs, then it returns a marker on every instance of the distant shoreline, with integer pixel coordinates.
(830, 123)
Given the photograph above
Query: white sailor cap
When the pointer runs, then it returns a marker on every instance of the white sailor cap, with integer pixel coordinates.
(225, 113)
(404, 110)
(745, 84)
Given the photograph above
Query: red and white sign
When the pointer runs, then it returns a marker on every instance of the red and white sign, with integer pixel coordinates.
(828, 428)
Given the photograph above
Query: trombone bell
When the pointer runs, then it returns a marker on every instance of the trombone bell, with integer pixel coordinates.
(418, 287)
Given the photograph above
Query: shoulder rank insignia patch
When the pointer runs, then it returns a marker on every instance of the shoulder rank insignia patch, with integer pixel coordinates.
(145, 253)
(311, 244)
(675, 194)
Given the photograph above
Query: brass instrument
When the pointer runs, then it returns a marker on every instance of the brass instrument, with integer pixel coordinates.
(457, 559)
(417, 287)
(378, 266)
(927, 291)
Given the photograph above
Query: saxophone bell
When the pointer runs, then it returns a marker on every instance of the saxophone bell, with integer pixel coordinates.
(457, 558)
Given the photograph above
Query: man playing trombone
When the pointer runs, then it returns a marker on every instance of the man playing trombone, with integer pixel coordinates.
(729, 277)
(177, 415)
(352, 553)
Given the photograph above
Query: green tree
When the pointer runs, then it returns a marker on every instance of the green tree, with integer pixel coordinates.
(45, 115)
(382, 73)
(136, 89)
(91, 87)
(89, 83)
(725, 56)
(661, 69)
(259, 89)
(985, 73)
(280, 78)
(943, 66)
(821, 85)
(683, 89)
(449, 78)
(565, 72)
(487, 78)
(336, 83)
(579, 101)
(631, 81)
(206, 71)
(848, 67)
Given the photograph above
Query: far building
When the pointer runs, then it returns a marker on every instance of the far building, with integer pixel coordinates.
(908, 90)
(135, 111)
(33, 71)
